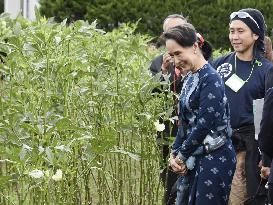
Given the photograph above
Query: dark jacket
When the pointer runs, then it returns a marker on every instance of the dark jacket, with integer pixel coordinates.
(266, 132)
(175, 81)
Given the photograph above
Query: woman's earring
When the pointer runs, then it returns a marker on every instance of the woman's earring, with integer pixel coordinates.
(195, 52)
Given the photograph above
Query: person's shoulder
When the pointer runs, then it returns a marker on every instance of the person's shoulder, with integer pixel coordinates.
(270, 72)
(222, 59)
(264, 66)
(211, 70)
(156, 63)
(158, 59)
(210, 74)
(269, 78)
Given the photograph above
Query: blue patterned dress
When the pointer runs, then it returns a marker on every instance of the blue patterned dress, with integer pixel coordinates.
(203, 111)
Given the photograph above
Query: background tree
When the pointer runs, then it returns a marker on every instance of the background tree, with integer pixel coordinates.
(1, 6)
(210, 17)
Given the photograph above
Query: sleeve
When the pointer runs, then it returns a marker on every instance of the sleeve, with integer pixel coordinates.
(211, 108)
(266, 160)
(180, 137)
(269, 79)
(266, 132)
(177, 142)
(155, 66)
(155, 69)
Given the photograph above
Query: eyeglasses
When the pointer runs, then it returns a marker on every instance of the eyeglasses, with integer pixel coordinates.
(243, 15)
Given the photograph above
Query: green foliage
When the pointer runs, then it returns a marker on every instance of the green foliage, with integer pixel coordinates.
(77, 100)
(220, 52)
(62, 9)
(210, 17)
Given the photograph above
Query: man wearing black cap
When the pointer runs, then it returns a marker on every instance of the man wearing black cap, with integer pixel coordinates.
(243, 72)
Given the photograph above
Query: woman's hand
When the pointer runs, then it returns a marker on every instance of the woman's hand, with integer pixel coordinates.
(265, 172)
(184, 169)
(178, 166)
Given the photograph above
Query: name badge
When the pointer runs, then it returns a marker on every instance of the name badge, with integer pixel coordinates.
(235, 83)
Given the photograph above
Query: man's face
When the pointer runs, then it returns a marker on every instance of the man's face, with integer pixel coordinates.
(172, 22)
(241, 37)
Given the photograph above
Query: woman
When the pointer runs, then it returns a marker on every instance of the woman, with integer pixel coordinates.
(203, 122)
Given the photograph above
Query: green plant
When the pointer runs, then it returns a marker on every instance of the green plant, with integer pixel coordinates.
(77, 113)
(220, 52)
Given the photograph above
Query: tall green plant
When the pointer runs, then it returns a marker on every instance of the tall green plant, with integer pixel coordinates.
(77, 114)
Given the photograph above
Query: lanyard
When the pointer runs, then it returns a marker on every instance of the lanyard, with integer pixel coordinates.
(250, 72)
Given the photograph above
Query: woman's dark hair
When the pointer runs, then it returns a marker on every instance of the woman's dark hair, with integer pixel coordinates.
(206, 50)
(186, 35)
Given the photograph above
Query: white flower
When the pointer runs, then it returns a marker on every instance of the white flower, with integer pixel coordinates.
(36, 173)
(57, 40)
(159, 127)
(41, 149)
(58, 176)
(173, 119)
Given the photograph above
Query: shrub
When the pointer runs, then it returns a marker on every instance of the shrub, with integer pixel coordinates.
(210, 17)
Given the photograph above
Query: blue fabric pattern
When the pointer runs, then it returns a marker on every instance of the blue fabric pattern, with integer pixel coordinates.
(204, 111)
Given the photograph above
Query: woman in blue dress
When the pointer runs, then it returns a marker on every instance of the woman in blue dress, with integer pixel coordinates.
(204, 128)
